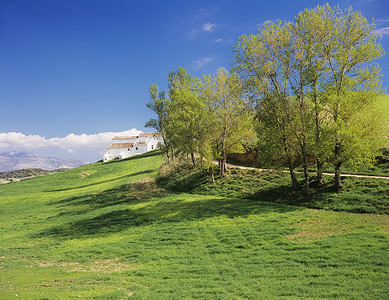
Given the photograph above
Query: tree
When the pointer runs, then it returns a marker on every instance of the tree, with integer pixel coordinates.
(231, 114)
(351, 89)
(187, 114)
(159, 105)
(265, 62)
(312, 32)
(315, 83)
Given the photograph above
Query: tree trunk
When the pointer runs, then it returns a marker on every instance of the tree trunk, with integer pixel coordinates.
(338, 183)
(168, 156)
(319, 172)
(221, 169)
(193, 159)
(212, 178)
(293, 177)
(306, 179)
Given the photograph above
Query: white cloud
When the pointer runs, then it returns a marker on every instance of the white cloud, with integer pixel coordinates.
(218, 40)
(72, 143)
(383, 31)
(381, 21)
(203, 12)
(269, 21)
(202, 61)
(208, 26)
(193, 33)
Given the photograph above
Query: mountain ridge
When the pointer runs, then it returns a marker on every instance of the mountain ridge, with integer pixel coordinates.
(17, 160)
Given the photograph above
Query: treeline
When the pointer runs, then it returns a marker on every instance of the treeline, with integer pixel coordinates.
(27, 173)
(300, 91)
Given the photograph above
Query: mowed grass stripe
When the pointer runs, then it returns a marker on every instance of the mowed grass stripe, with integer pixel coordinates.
(114, 235)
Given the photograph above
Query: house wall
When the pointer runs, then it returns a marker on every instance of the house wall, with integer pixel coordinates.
(116, 152)
(151, 144)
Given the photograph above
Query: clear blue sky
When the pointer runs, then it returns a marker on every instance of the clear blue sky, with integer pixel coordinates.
(85, 66)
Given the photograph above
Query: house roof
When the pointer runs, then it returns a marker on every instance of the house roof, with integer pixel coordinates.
(124, 137)
(140, 143)
(120, 145)
(148, 134)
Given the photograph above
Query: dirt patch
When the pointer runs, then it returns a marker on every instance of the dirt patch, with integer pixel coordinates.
(103, 266)
(145, 189)
(84, 174)
(323, 226)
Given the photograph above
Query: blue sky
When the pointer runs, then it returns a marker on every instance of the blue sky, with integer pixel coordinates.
(75, 69)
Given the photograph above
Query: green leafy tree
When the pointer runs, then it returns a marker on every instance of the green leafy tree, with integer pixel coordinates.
(231, 115)
(187, 114)
(160, 106)
(265, 61)
(316, 85)
(351, 90)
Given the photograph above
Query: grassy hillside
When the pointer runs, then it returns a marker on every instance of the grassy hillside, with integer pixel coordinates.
(107, 231)
(361, 195)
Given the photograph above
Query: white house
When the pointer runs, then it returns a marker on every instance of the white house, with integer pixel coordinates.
(126, 146)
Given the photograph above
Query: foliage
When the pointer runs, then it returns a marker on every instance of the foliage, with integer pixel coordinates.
(159, 105)
(205, 118)
(188, 117)
(231, 115)
(317, 87)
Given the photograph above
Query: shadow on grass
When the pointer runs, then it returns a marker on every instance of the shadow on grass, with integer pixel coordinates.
(124, 194)
(104, 181)
(359, 195)
(105, 215)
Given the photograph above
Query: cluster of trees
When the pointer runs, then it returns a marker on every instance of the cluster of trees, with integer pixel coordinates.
(308, 88)
(205, 118)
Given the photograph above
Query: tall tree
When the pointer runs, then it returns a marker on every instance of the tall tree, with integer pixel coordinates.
(352, 88)
(315, 78)
(265, 61)
(312, 31)
(231, 114)
(159, 105)
(187, 113)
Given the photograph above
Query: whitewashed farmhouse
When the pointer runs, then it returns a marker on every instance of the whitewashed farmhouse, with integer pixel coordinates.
(126, 146)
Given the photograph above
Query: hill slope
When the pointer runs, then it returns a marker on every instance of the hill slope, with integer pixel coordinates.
(106, 231)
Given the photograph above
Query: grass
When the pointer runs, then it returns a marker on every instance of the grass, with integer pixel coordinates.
(362, 195)
(107, 231)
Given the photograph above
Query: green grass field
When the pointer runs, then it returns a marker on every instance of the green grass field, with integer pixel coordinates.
(106, 231)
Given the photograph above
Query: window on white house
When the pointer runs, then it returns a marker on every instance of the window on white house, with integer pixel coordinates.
(136, 148)
(152, 146)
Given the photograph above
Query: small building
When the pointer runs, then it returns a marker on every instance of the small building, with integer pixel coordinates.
(126, 146)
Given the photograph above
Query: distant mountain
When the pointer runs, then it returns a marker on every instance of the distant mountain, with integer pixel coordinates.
(10, 161)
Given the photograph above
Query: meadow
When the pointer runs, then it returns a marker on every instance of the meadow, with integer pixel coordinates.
(107, 231)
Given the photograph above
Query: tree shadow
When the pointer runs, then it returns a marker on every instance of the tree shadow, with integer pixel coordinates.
(284, 194)
(104, 181)
(104, 213)
(125, 194)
